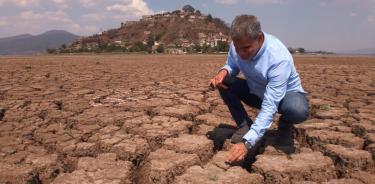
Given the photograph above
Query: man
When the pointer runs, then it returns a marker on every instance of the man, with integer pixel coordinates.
(271, 84)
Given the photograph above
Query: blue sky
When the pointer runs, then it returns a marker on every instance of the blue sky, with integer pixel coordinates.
(332, 25)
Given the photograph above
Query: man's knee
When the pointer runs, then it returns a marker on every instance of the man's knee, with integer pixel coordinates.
(298, 115)
(296, 111)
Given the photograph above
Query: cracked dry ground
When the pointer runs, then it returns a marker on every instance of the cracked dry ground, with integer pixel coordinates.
(144, 119)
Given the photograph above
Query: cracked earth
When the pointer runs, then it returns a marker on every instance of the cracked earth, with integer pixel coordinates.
(144, 119)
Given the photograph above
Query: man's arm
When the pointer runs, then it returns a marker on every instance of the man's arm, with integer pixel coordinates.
(278, 76)
(229, 68)
(230, 65)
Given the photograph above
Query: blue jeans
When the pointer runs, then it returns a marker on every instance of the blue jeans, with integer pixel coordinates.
(293, 107)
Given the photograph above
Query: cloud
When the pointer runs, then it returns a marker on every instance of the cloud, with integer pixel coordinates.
(232, 2)
(58, 16)
(60, 1)
(93, 17)
(23, 3)
(83, 17)
(3, 22)
(371, 19)
(266, 1)
(135, 8)
(228, 2)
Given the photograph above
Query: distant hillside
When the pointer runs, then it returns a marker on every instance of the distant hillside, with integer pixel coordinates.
(180, 29)
(369, 51)
(29, 44)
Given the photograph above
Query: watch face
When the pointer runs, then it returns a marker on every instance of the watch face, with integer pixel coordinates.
(248, 145)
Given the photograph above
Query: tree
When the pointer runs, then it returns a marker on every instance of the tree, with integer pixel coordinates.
(51, 51)
(301, 50)
(160, 49)
(206, 48)
(197, 47)
(188, 8)
(150, 41)
(209, 18)
(291, 50)
(198, 12)
(138, 47)
(159, 35)
(222, 46)
(63, 46)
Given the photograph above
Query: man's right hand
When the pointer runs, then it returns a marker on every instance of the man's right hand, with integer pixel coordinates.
(217, 81)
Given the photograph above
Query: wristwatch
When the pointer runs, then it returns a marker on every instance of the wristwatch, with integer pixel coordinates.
(247, 144)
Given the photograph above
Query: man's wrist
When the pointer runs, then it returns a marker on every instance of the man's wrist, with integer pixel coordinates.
(223, 70)
(247, 144)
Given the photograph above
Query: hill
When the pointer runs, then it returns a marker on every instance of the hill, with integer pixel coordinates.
(28, 44)
(176, 31)
(368, 51)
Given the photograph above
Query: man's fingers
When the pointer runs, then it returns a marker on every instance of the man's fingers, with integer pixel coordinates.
(223, 86)
(233, 154)
(212, 83)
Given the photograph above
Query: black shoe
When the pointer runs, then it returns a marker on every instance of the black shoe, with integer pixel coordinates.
(285, 134)
(238, 135)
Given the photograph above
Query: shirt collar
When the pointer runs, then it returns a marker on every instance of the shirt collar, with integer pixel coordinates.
(261, 50)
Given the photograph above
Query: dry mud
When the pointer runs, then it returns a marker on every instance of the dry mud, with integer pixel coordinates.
(144, 119)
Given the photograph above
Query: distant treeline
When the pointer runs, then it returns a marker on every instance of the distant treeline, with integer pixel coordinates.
(221, 46)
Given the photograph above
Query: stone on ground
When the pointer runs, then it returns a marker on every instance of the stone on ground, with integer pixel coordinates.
(163, 165)
(349, 159)
(193, 144)
(311, 166)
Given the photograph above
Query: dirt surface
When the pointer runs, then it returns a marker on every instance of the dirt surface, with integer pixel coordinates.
(144, 119)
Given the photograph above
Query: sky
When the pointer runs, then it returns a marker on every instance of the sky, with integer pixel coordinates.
(330, 25)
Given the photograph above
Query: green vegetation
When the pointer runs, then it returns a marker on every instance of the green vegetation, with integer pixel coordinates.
(214, 178)
(160, 49)
(221, 47)
(325, 107)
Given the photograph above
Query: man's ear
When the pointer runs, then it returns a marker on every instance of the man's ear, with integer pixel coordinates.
(260, 37)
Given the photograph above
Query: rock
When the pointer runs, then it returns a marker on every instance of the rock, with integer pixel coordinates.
(311, 166)
(18, 174)
(343, 181)
(331, 113)
(163, 165)
(2, 113)
(214, 120)
(193, 144)
(317, 138)
(86, 149)
(45, 165)
(371, 149)
(104, 168)
(211, 174)
(156, 133)
(75, 177)
(349, 159)
(363, 128)
(365, 177)
(186, 112)
(134, 149)
(202, 129)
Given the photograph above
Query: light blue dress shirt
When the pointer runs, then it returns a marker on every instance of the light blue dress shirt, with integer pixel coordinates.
(269, 75)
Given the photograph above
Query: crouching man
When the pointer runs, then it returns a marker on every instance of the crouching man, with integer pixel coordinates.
(271, 84)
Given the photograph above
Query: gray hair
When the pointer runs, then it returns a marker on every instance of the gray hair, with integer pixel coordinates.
(245, 25)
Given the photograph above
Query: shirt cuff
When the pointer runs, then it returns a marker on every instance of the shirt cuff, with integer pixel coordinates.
(251, 136)
(226, 67)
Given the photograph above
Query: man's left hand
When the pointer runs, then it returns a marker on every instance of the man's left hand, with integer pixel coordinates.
(237, 152)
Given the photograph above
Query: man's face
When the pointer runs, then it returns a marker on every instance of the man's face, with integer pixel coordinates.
(247, 47)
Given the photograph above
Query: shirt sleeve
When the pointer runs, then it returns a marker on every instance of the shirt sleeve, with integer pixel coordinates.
(231, 66)
(275, 91)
